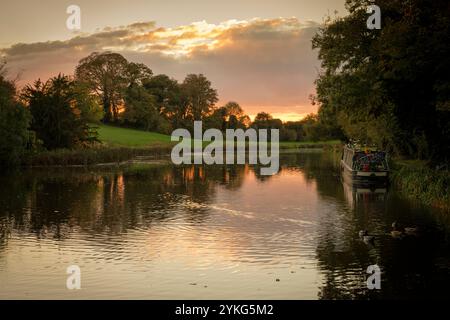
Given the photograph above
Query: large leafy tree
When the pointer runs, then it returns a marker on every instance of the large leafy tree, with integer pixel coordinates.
(140, 108)
(14, 123)
(390, 86)
(264, 120)
(60, 112)
(167, 95)
(108, 75)
(200, 97)
(229, 116)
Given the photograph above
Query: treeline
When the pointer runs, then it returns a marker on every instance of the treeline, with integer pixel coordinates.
(389, 87)
(130, 95)
(62, 112)
(45, 116)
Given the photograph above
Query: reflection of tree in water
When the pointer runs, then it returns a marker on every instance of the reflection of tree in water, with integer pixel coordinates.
(46, 203)
(408, 266)
(343, 258)
(411, 268)
(230, 177)
(52, 203)
(112, 201)
(12, 199)
(316, 166)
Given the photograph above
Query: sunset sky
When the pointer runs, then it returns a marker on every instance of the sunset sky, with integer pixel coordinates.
(257, 53)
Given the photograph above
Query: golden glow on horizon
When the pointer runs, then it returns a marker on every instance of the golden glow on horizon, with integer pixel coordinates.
(285, 117)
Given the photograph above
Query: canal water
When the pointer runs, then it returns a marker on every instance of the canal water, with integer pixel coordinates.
(148, 231)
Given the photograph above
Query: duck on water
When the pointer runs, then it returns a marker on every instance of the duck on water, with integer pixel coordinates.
(398, 232)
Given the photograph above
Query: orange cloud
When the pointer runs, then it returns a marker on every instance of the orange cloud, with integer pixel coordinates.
(264, 64)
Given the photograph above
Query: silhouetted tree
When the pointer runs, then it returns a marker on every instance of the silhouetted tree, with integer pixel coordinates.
(200, 97)
(14, 122)
(389, 86)
(108, 75)
(60, 113)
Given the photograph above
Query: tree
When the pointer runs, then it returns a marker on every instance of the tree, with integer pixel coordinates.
(229, 116)
(236, 119)
(312, 130)
(262, 117)
(108, 75)
(137, 74)
(140, 108)
(167, 94)
(14, 123)
(389, 87)
(288, 134)
(264, 120)
(60, 113)
(245, 121)
(87, 104)
(200, 97)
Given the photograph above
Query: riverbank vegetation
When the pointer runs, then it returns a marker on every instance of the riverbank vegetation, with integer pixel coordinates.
(390, 87)
(117, 144)
(94, 155)
(415, 179)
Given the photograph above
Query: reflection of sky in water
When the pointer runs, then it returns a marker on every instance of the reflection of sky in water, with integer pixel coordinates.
(215, 232)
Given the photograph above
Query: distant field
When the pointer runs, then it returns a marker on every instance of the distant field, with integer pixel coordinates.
(115, 136)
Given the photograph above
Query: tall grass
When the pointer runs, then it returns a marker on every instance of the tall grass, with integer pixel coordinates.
(425, 184)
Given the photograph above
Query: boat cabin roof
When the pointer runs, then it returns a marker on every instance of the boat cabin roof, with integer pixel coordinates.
(362, 149)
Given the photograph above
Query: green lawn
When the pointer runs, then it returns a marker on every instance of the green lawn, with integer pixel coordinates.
(124, 137)
(115, 136)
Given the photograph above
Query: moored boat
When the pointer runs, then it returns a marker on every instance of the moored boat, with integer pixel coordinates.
(364, 165)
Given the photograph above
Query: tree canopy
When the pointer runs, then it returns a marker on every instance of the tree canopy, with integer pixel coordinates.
(388, 87)
(14, 122)
(61, 111)
(108, 75)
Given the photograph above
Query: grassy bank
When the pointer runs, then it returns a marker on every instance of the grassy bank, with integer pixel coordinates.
(124, 137)
(414, 179)
(117, 145)
(122, 144)
(91, 156)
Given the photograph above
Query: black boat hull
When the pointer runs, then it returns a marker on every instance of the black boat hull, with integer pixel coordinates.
(364, 178)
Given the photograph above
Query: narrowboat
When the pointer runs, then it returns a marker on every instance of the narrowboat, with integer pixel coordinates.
(365, 165)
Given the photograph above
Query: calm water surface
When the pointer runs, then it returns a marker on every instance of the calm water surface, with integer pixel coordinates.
(225, 232)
